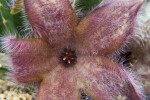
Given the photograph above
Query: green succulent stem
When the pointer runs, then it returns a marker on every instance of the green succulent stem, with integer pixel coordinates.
(6, 17)
(86, 5)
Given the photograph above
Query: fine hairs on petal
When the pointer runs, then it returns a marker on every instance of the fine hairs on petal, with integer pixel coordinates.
(5, 42)
(115, 56)
(140, 44)
(8, 46)
(54, 23)
(138, 86)
(118, 27)
(6, 59)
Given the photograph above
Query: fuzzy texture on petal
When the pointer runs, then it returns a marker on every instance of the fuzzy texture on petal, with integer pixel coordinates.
(52, 20)
(99, 78)
(103, 79)
(101, 32)
(60, 84)
(31, 59)
(107, 27)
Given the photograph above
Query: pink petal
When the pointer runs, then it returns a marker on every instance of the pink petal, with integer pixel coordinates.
(107, 27)
(52, 20)
(31, 59)
(102, 79)
(60, 84)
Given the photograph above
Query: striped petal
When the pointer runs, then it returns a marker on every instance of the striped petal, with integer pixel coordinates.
(107, 27)
(52, 20)
(31, 59)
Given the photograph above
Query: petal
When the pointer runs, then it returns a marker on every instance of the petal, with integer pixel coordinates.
(52, 20)
(102, 79)
(60, 84)
(31, 59)
(107, 27)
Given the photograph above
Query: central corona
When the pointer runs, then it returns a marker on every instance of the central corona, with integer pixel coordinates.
(68, 57)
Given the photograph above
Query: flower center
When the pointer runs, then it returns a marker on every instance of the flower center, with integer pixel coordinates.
(68, 57)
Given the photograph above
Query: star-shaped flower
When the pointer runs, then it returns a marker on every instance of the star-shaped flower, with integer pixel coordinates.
(69, 57)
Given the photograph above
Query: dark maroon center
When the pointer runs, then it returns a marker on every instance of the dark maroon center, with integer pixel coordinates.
(68, 57)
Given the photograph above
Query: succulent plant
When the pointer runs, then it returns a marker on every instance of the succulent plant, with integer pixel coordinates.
(70, 58)
(6, 17)
(11, 21)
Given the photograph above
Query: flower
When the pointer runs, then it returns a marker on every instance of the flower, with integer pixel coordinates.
(139, 48)
(69, 57)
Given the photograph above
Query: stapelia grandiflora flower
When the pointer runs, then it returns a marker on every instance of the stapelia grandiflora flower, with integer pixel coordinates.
(68, 58)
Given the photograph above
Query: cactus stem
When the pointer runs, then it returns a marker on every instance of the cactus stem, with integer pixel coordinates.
(17, 7)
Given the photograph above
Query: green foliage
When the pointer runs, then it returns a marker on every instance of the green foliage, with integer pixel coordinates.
(10, 24)
(3, 72)
(6, 17)
(86, 5)
(17, 7)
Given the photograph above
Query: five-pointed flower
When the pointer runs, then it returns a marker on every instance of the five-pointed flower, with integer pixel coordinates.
(69, 57)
